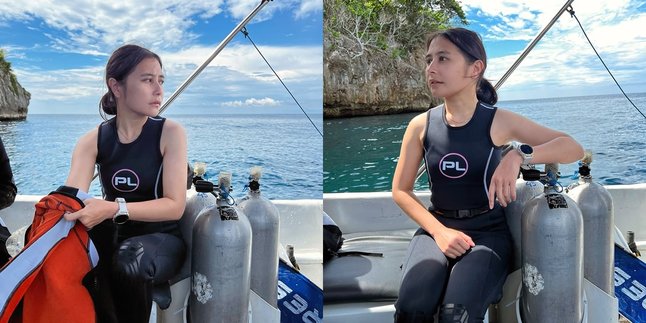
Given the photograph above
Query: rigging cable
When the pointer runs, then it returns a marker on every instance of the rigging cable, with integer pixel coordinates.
(571, 11)
(246, 35)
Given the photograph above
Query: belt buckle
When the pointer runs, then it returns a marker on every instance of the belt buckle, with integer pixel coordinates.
(463, 214)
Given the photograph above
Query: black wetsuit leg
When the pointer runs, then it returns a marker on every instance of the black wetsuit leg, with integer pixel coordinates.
(426, 271)
(468, 285)
(140, 263)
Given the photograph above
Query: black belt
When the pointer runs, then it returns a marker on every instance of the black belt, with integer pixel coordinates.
(461, 214)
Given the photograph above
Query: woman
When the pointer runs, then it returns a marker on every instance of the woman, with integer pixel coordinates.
(141, 159)
(7, 196)
(458, 259)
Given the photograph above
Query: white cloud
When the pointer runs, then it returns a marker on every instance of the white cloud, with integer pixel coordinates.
(93, 29)
(292, 63)
(94, 26)
(229, 78)
(241, 8)
(252, 102)
(563, 61)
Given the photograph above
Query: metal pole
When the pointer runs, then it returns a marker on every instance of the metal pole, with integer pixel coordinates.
(531, 45)
(422, 169)
(213, 55)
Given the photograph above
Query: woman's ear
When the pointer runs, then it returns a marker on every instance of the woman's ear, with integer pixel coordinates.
(476, 68)
(115, 87)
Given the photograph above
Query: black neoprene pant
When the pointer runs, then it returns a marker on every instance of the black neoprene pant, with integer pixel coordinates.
(129, 269)
(461, 288)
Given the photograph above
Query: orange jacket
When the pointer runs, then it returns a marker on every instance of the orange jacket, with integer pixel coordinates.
(47, 274)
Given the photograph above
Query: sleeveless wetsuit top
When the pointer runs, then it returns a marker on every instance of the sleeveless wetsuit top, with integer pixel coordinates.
(460, 160)
(134, 170)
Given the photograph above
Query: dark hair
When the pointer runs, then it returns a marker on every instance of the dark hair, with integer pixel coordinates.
(470, 44)
(122, 62)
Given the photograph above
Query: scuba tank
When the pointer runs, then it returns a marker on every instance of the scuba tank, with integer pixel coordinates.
(221, 259)
(595, 203)
(264, 219)
(195, 203)
(552, 256)
(527, 187)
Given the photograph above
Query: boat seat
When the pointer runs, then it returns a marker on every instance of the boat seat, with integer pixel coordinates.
(361, 277)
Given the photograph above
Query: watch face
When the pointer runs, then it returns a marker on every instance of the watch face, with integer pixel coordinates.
(526, 149)
(120, 218)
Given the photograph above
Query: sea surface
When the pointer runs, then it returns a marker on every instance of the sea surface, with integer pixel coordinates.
(361, 153)
(287, 147)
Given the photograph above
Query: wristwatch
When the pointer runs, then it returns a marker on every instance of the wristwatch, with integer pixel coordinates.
(122, 215)
(526, 151)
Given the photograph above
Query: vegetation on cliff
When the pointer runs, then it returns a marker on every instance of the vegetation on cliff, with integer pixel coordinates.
(374, 53)
(5, 67)
(393, 26)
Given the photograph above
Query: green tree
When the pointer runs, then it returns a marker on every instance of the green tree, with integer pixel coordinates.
(398, 26)
(5, 67)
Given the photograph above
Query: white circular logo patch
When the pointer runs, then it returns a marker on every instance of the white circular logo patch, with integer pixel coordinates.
(453, 165)
(125, 180)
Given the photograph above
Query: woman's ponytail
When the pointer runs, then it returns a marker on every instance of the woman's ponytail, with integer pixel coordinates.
(486, 92)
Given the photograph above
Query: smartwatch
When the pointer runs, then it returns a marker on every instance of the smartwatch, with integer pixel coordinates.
(526, 151)
(122, 215)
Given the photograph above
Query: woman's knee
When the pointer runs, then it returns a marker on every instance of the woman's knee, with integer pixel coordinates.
(129, 260)
(424, 278)
(154, 257)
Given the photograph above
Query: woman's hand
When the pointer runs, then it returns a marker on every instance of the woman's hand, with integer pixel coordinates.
(503, 181)
(94, 212)
(453, 243)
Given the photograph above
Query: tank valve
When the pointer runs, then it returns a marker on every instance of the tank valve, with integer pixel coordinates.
(632, 245)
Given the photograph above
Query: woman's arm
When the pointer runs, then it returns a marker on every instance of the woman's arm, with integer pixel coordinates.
(169, 207)
(452, 242)
(83, 161)
(550, 146)
(7, 187)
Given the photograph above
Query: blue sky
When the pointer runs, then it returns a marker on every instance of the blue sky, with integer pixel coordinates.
(58, 50)
(563, 63)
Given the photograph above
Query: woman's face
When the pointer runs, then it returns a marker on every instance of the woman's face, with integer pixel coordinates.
(447, 71)
(144, 92)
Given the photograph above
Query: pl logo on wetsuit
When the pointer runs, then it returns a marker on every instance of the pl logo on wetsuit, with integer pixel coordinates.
(453, 165)
(125, 180)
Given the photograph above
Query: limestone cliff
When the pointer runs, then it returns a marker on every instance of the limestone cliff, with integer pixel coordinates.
(371, 83)
(14, 99)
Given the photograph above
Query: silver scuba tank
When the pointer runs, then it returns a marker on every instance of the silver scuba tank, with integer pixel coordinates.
(552, 257)
(527, 187)
(195, 203)
(221, 259)
(595, 203)
(264, 219)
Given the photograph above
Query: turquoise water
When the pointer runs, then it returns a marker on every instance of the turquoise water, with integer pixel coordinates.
(361, 153)
(287, 147)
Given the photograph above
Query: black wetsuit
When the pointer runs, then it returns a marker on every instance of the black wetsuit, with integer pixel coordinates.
(136, 258)
(7, 196)
(460, 162)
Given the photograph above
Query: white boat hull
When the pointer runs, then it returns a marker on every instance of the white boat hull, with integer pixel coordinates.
(370, 213)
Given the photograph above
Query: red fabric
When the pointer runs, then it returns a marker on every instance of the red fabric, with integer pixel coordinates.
(54, 291)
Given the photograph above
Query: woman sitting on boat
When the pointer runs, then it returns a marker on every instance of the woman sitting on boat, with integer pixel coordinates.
(141, 160)
(458, 260)
(7, 195)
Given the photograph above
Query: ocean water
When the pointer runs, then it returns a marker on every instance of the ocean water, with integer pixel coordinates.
(287, 147)
(361, 153)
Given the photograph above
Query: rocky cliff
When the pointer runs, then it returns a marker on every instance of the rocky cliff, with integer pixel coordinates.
(14, 99)
(372, 83)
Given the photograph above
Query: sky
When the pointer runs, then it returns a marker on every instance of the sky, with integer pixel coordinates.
(58, 50)
(562, 64)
